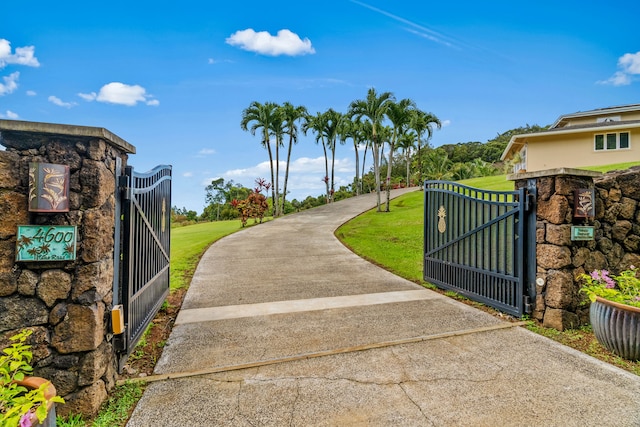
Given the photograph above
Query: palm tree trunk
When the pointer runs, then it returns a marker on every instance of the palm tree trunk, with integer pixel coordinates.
(364, 161)
(286, 173)
(333, 162)
(273, 195)
(419, 161)
(277, 206)
(389, 167)
(376, 172)
(355, 145)
(326, 169)
(408, 153)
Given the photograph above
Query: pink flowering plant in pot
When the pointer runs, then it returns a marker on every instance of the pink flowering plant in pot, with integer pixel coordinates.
(615, 310)
(623, 288)
(24, 400)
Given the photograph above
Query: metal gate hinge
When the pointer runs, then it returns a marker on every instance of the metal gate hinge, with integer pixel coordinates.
(529, 200)
(123, 184)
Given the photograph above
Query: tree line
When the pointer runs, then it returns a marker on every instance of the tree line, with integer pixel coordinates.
(372, 123)
(394, 134)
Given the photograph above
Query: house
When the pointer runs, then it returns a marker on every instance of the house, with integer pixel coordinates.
(589, 138)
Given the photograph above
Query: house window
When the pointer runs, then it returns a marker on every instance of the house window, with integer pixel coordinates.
(611, 141)
(624, 140)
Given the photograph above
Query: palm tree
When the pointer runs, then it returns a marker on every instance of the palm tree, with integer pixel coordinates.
(317, 124)
(290, 114)
(333, 120)
(277, 129)
(399, 113)
(407, 142)
(438, 165)
(367, 138)
(422, 122)
(262, 117)
(373, 109)
(355, 131)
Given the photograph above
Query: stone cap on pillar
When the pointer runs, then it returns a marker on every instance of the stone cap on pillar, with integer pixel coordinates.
(25, 135)
(553, 172)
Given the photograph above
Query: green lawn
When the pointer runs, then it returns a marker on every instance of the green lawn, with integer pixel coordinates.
(394, 240)
(189, 243)
(607, 168)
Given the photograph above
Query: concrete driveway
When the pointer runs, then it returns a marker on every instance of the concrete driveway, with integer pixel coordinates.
(283, 326)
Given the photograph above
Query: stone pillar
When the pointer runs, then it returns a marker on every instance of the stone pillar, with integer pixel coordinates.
(617, 221)
(559, 260)
(65, 303)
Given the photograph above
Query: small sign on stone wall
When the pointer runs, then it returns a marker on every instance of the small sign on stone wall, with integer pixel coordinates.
(584, 203)
(46, 243)
(585, 232)
(48, 187)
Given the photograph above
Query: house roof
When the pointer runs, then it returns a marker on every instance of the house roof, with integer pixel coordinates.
(517, 141)
(562, 120)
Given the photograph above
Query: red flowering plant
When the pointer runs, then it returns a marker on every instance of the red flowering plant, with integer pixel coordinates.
(255, 205)
(623, 288)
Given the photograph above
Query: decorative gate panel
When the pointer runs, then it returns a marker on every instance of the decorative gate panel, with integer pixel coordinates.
(144, 268)
(475, 243)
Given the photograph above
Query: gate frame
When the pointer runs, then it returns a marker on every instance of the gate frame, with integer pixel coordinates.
(126, 247)
(524, 241)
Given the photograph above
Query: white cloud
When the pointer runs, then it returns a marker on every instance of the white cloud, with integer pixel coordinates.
(23, 55)
(9, 115)
(630, 63)
(88, 96)
(31, 93)
(10, 83)
(305, 175)
(57, 101)
(218, 61)
(120, 93)
(618, 79)
(629, 66)
(445, 123)
(284, 43)
(206, 152)
(187, 174)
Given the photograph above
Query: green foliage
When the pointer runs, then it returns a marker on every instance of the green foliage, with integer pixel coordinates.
(17, 401)
(116, 410)
(70, 421)
(219, 196)
(182, 216)
(437, 165)
(623, 288)
(309, 202)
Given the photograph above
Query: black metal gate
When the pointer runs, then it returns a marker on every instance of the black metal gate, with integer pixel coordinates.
(144, 258)
(477, 244)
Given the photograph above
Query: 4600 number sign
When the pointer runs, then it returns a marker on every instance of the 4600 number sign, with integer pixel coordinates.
(46, 243)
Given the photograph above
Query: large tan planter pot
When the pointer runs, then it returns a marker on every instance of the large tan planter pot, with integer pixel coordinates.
(49, 393)
(617, 327)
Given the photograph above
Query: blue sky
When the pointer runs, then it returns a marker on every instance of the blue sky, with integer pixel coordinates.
(172, 78)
